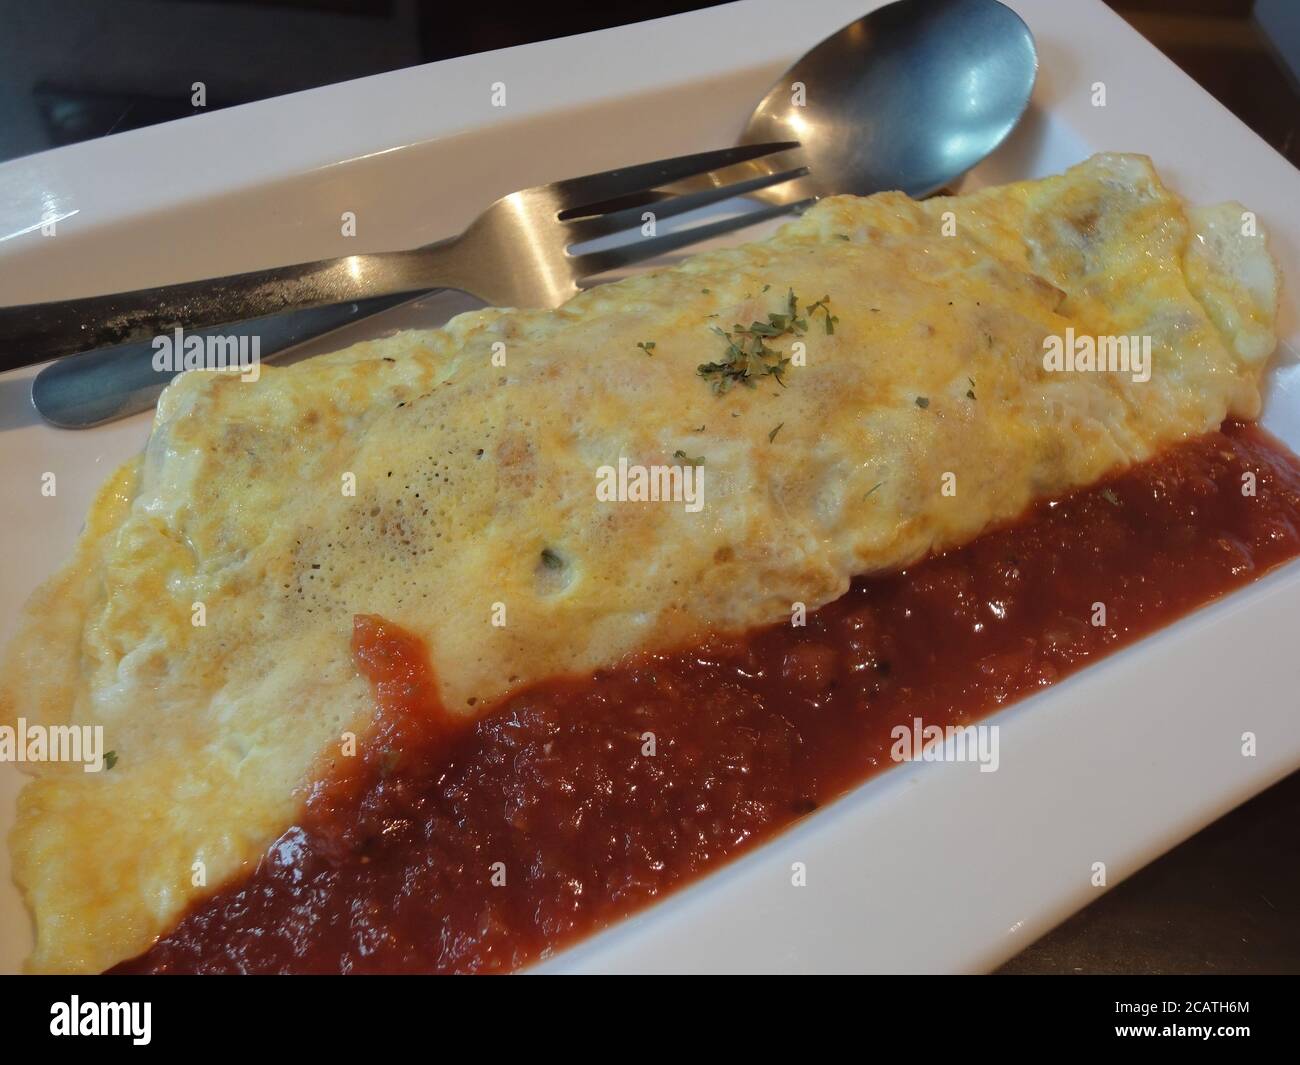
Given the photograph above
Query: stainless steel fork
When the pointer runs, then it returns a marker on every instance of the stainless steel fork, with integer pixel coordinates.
(516, 253)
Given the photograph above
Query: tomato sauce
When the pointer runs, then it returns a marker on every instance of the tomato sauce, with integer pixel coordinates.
(486, 846)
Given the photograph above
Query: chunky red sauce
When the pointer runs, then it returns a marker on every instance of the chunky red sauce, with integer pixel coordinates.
(391, 868)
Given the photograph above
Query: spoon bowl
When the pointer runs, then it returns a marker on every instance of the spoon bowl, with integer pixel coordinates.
(908, 97)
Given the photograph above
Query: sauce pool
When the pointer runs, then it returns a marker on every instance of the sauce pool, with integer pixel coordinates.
(486, 846)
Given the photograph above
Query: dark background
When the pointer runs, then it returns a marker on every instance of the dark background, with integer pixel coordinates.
(1227, 901)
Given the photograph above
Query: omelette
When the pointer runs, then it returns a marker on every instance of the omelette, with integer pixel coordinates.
(697, 450)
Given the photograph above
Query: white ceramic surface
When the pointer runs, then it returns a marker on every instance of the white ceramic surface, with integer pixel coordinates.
(927, 867)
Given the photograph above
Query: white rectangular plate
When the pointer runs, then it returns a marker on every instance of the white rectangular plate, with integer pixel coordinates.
(929, 867)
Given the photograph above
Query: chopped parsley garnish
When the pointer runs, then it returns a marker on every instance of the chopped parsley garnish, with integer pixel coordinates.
(771, 437)
(824, 305)
(648, 346)
(748, 356)
(1110, 497)
(110, 759)
(680, 454)
(923, 401)
(970, 392)
(873, 488)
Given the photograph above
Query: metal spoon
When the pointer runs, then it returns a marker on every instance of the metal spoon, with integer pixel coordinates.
(908, 97)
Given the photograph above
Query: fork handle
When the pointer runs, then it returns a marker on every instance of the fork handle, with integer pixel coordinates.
(34, 332)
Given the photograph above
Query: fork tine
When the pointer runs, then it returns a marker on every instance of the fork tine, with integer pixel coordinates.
(611, 184)
(584, 229)
(637, 251)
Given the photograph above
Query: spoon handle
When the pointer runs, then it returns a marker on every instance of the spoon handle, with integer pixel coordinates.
(81, 391)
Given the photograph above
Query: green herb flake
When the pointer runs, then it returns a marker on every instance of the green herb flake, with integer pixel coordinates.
(110, 759)
(648, 346)
(873, 489)
(824, 305)
(922, 402)
(771, 437)
(1110, 497)
(680, 454)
